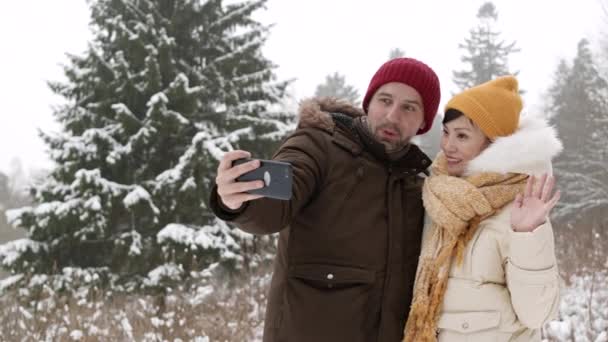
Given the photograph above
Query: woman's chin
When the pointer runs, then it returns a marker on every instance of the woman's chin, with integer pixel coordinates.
(455, 171)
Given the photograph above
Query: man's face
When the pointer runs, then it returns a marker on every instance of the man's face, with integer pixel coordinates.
(395, 114)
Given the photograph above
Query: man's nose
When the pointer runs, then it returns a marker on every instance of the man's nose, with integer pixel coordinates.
(393, 114)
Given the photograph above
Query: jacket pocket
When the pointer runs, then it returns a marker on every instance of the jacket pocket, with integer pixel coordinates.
(331, 277)
(468, 322)
(328, 303)
(470, 326)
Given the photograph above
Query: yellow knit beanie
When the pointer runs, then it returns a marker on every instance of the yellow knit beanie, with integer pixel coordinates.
(494, 106)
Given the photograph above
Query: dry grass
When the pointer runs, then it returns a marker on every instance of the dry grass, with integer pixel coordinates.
(204, 313)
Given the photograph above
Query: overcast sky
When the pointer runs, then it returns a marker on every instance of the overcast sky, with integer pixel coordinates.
(310, 39)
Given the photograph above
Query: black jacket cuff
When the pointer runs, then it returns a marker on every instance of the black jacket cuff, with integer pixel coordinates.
(220, 210)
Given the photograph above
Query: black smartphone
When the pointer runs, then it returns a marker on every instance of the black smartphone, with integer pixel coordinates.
(277, 177)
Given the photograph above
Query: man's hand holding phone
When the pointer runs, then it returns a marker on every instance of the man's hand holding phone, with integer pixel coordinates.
(233, 193)
(240, 179)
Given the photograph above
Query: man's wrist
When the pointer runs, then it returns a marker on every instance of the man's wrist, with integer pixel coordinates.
(224, 207)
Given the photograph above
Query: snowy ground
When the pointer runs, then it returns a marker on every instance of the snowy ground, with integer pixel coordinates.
(584, 311)
(204, 313)
(209, 313)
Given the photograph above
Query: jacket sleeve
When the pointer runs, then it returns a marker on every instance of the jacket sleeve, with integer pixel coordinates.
(306, 150)
(532, 275)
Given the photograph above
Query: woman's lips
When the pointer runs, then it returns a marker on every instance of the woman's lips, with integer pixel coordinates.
(452, 160)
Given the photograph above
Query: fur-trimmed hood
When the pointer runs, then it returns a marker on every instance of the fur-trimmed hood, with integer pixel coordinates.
(529, 150)
(316, 112)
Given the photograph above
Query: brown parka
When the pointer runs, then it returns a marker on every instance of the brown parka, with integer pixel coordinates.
(349, 238)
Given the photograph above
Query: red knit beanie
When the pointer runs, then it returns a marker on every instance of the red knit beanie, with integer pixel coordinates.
(415, 74)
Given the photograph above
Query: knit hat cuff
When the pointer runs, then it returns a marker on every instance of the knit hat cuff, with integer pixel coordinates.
(474, 111)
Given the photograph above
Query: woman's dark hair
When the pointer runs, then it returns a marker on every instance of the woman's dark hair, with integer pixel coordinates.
(451, 114)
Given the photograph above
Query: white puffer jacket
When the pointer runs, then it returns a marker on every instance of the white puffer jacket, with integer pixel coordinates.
(508, 284)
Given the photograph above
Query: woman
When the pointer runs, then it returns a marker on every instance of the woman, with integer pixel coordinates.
(487, 270)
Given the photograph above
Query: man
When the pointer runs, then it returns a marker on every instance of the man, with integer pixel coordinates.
(350, 236)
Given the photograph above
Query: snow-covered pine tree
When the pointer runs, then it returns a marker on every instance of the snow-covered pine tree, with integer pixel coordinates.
(163, 89)
(335, 86)
(603, 40)
(5, 191)
(487, 55)
(11, 196)
(578, 105)
(577, 102)
(396, 53)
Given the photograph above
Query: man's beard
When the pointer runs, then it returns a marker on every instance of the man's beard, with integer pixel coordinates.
(389, 146)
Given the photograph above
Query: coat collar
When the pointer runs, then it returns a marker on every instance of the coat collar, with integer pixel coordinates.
(529, 150)
(331, 115)
(316, 113)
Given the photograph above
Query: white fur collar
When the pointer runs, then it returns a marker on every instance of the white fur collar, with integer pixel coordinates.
(529, 150)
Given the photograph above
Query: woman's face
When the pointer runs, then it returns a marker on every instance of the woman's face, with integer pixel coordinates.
(461, 141)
